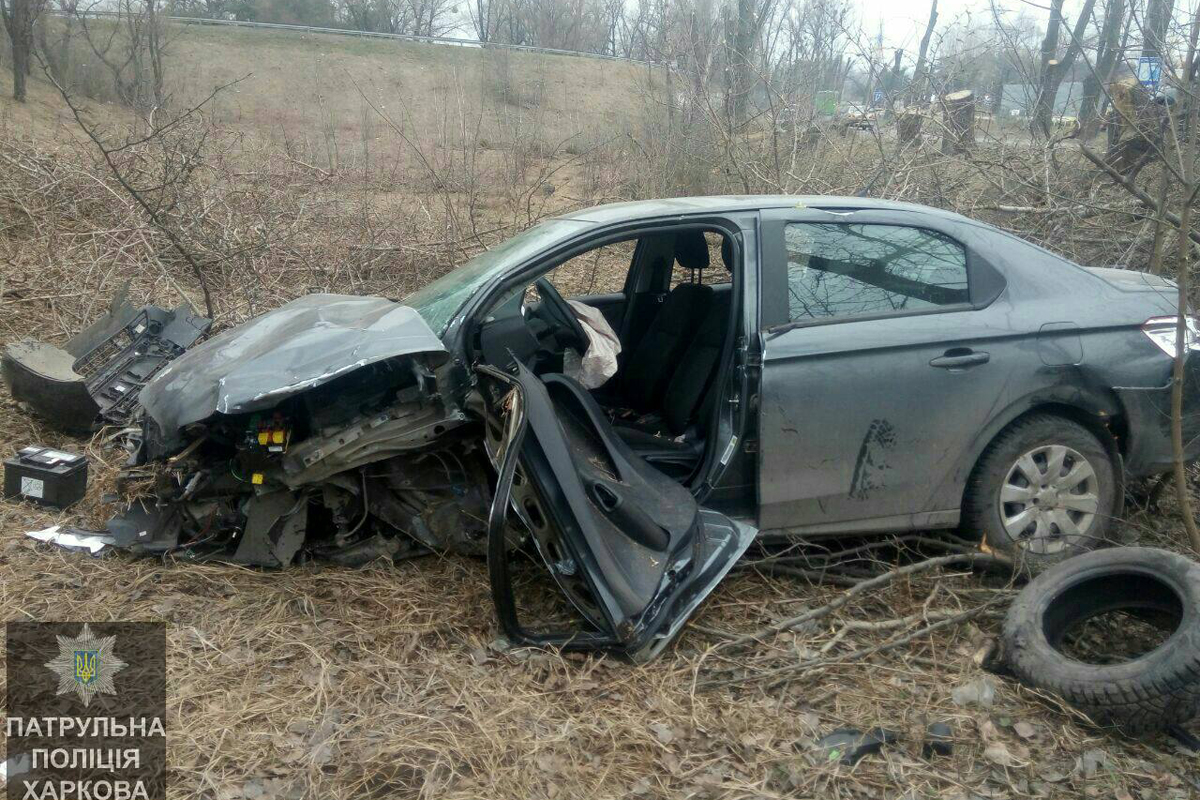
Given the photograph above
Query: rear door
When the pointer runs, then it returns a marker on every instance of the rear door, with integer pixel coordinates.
(629, 547)
(884, 356)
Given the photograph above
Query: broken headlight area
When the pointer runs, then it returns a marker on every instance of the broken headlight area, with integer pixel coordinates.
(369, 465)
(96, 377)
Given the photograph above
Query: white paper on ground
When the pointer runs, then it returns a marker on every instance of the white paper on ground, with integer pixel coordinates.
(93, 543)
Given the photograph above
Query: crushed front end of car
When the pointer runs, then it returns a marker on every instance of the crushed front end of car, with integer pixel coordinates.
(339, 428)
(317, 430)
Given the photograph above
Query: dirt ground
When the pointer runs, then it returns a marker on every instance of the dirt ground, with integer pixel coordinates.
(390, 681)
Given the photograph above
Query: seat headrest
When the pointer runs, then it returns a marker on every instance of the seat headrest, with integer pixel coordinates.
(691, 250)
(727, 252)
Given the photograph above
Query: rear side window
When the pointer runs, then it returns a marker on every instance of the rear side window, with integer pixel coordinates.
(842, 271)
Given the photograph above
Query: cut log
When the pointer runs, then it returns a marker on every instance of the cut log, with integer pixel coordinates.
(908, 125)
(1136, 127)
(959, 114)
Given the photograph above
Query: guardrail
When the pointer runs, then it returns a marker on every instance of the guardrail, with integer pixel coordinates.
(404, 37)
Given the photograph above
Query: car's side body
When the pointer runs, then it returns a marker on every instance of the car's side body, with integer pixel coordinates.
(845, 425)
(864, 364)
(875, 424)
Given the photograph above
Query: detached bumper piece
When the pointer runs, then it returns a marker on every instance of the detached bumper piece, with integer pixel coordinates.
(96, 376)
(628, 546)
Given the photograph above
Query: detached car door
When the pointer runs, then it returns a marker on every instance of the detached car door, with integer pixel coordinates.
(882, 361)
(629, 547)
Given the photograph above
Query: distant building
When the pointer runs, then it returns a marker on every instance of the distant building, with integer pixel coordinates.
(1020, 97)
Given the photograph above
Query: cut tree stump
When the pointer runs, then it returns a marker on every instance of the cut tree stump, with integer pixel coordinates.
(959, 111)
(908, 125)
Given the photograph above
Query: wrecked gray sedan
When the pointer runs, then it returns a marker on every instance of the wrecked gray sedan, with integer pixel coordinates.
(799, 366)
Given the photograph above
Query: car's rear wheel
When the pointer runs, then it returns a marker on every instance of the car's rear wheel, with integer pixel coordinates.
(1044, 490)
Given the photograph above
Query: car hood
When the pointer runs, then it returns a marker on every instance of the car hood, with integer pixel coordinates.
(296, 347)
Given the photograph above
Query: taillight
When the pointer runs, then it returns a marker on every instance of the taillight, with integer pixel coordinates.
(1161, 331)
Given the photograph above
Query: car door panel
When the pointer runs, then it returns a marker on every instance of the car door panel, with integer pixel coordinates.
(629, 547)
(863, 420)
(864, 427)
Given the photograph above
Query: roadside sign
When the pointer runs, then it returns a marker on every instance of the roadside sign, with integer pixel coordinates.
(878, 99)
(1149, 71)
(826, 103)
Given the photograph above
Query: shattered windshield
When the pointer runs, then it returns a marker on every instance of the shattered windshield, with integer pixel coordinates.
(438, 302)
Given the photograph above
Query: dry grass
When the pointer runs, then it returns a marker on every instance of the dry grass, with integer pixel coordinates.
(386, 682)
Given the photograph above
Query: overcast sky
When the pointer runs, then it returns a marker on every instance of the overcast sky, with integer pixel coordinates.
(904, 20)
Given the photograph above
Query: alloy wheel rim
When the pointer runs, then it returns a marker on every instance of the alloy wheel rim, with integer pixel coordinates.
(1049, 499)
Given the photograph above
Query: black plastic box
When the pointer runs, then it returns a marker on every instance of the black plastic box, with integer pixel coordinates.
(46, 476)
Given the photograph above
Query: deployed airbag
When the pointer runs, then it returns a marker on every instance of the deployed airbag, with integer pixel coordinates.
(599, 363)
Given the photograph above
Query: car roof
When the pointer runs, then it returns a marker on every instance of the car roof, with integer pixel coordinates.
(615, 213)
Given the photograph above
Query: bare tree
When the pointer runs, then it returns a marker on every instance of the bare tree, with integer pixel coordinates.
(1108, 49)
(1185, 150)
(1053, 68)
(415, 17)
(155, 168)
(742, 30)
(19, 17)
(131, 48)
(61, 25)
(918, 90)
(1155, 26)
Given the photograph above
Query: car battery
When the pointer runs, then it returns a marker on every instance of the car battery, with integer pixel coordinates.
(46, 476)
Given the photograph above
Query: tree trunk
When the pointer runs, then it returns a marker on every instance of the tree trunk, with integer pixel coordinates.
(744, 38)
(918, 93)
(1043, 103)
(1106, 58)
(1185, 144)
(18, 17)
(1052, 68)
(908, 125)
(959, 116)
(1158, 17)
(20, 56)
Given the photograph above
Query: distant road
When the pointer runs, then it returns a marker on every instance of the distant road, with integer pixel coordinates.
(373, 35)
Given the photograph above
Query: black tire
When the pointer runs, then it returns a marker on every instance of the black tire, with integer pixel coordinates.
(982, 509)
(1144, 694)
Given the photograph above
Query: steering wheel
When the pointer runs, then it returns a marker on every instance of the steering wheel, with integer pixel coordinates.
(558, 312)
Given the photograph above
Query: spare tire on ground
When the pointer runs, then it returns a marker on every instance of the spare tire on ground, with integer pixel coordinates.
(1115, 633)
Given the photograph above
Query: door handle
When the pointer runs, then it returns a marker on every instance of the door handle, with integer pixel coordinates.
(960, 358)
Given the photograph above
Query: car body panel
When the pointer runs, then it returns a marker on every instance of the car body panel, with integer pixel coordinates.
(860, 433)
(629, 547)
(98, 374)
(299, 346)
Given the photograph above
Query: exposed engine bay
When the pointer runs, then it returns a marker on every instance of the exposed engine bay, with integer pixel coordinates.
(265, 445)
